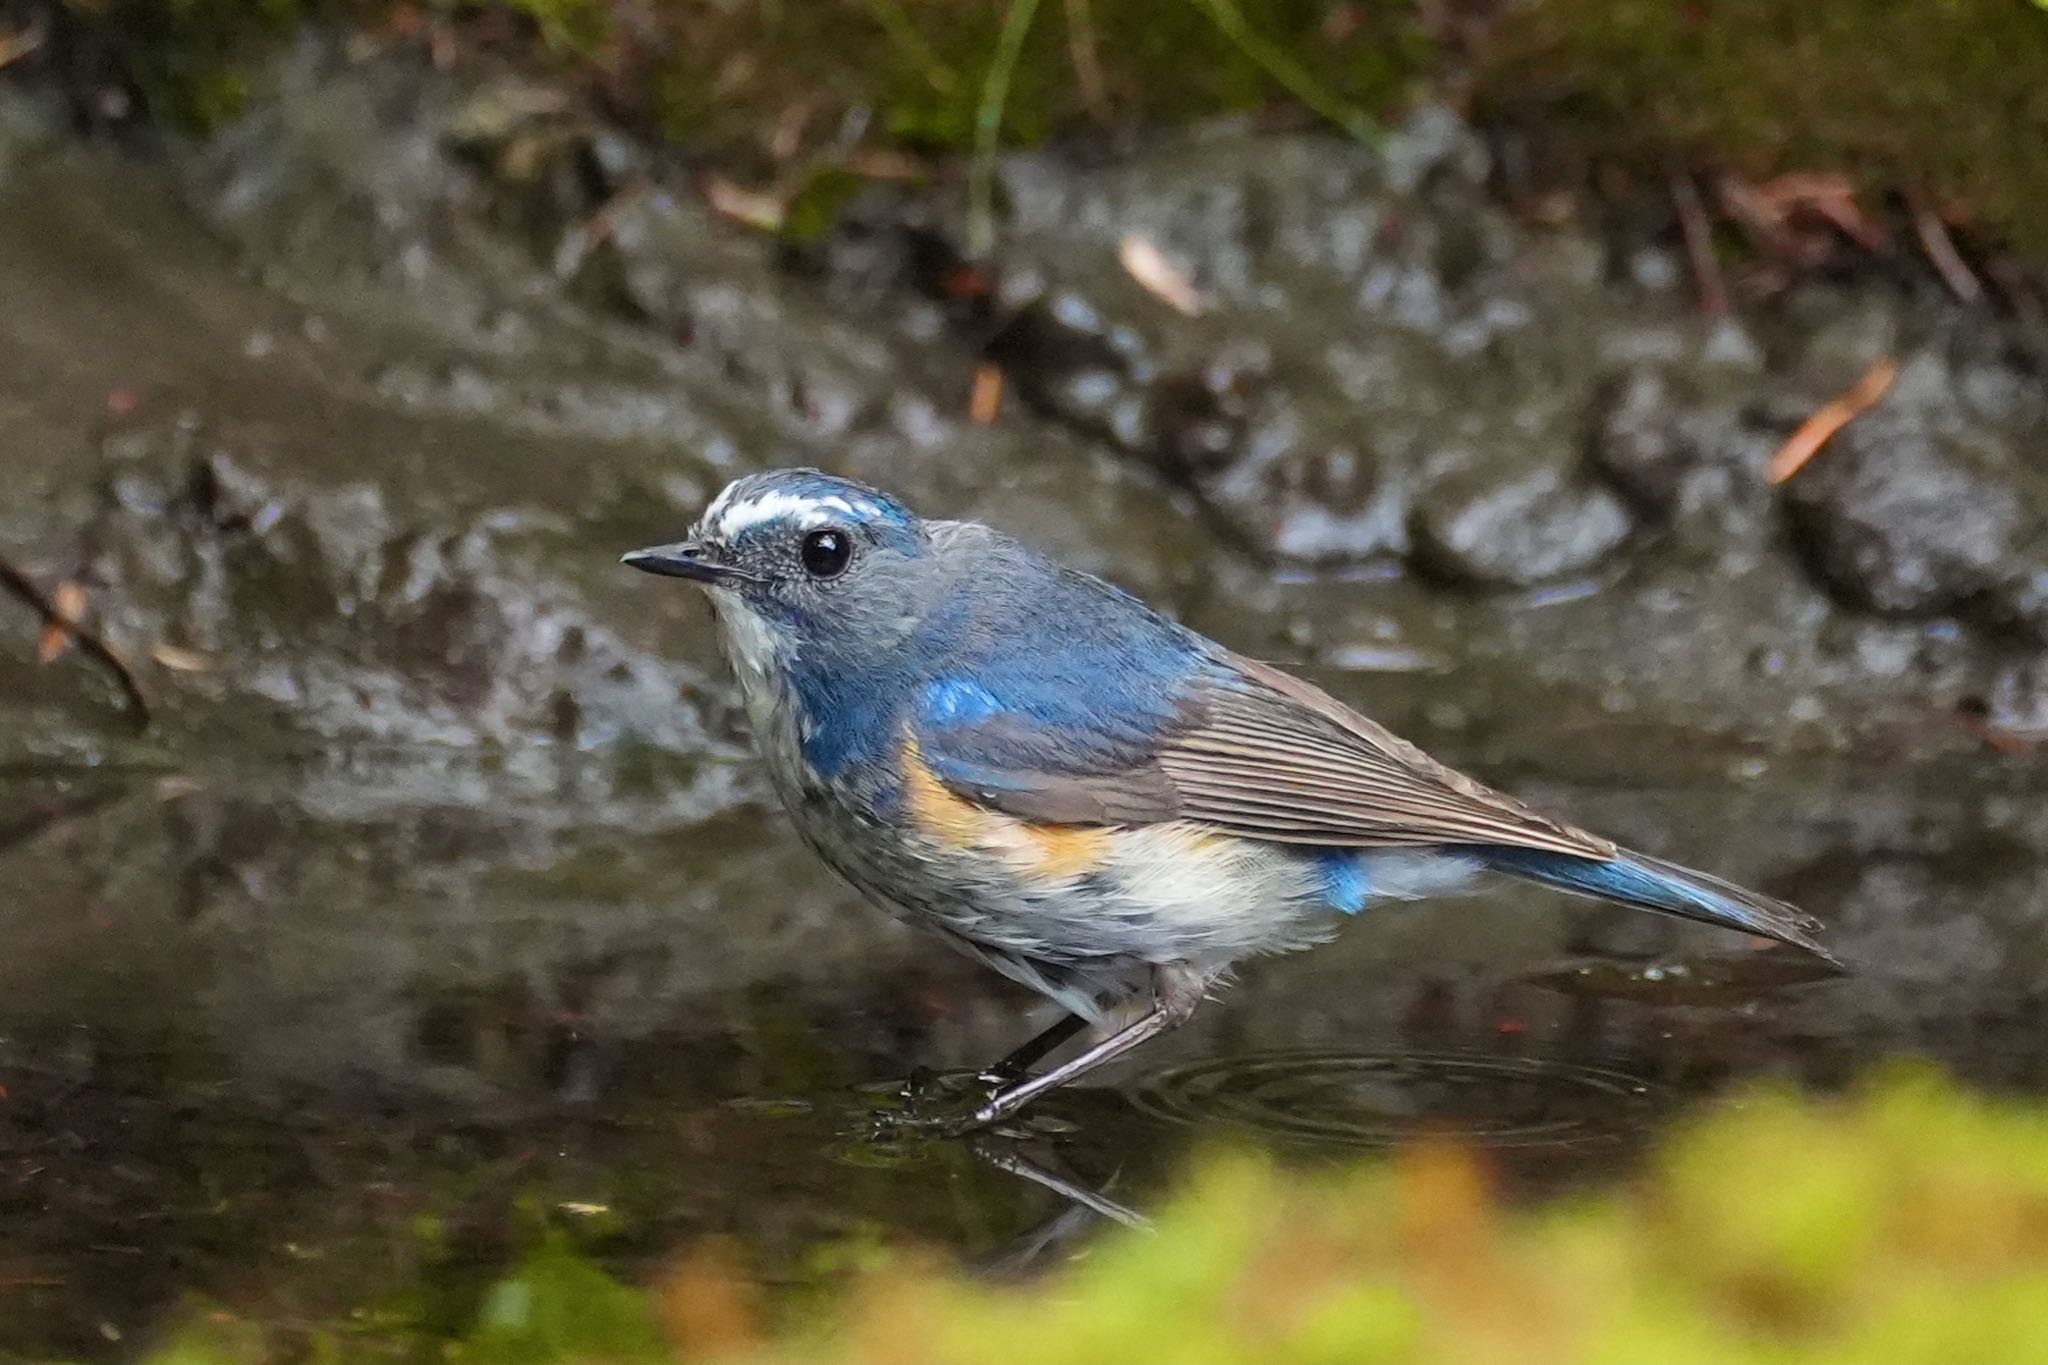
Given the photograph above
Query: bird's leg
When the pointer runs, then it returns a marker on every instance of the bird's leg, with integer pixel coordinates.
(1013, 1066)
(1003, 1154)
(1176, 991)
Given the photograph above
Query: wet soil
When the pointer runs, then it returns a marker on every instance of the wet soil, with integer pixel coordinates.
(441, 903)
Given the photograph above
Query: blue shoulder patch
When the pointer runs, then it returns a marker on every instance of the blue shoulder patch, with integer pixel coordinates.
(957, 701)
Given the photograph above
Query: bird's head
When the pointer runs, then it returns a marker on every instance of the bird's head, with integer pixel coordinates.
(798, 562)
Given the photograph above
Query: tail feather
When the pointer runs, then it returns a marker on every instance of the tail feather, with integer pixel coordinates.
(1646, 883)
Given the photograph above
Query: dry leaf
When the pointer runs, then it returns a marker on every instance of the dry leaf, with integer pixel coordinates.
(755, 208)
(1976, 721)
(1826, 195)
(1157, 275)
(987, 399)
(15, 46)
(1785, 215)
(179, 659)
(1817, 430)
(67, 608)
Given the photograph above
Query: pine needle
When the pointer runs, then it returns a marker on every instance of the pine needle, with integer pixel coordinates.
(988, 126)
(896, 22)
(1291, 75)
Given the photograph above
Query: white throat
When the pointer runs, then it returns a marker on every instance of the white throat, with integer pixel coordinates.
(749, 641)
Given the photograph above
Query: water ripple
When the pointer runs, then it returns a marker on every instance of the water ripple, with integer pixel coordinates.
(1377, 1099)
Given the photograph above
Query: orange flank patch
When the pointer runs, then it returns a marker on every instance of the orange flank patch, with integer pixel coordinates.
(946, 817)
(1048, 850)
(1067, 850)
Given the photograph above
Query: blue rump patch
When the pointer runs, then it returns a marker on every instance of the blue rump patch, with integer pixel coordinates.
(1345, 883)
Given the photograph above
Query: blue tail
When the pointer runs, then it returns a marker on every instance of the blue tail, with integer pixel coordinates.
(1648, 883)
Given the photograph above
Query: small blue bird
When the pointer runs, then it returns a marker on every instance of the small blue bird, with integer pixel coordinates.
(1084, 795)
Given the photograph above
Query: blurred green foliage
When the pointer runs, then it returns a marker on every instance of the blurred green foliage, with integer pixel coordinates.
(1907, 1222)
(1948, 95)
(1945, 96)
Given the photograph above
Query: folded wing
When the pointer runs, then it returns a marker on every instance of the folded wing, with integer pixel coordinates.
(1245, 748)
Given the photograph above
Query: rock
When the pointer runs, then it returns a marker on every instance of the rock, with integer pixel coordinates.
(1075, 367)
(2022, 598)
(2016, 700)
(1301, 483)
(1533, 529)
(1202, 421)
(1910, 521)
(1637, 442)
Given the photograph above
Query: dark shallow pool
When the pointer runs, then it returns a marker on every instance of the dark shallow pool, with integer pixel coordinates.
(325, 1037)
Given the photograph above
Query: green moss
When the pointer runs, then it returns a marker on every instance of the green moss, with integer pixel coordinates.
(918, 66)
(1948, 95)
(1952, 94)
(575, 27)
(1906, 1223)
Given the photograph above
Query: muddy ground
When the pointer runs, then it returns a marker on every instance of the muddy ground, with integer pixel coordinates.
(440, 896)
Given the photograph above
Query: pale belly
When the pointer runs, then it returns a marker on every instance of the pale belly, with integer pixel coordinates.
(1066, 895)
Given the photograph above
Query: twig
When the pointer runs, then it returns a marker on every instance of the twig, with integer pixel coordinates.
(1087, 61)
(1831, 417)
(1941, 250)
(988, 126)
(1284, 69)
(89, 642)
(1699, 243)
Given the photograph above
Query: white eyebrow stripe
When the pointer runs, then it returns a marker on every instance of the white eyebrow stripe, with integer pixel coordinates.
(718, 505)
(723, 520)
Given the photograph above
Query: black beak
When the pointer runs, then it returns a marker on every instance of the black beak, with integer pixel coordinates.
(684, 559)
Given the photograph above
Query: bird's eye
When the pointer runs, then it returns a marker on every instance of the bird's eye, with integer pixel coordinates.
(826, 553)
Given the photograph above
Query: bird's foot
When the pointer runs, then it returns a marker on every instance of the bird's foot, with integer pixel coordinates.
(943, 1104)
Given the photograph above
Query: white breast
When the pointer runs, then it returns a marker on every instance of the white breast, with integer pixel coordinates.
(754, 650)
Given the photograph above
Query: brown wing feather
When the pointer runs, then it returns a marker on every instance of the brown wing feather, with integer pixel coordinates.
(1286, 761)
(1279, 760)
